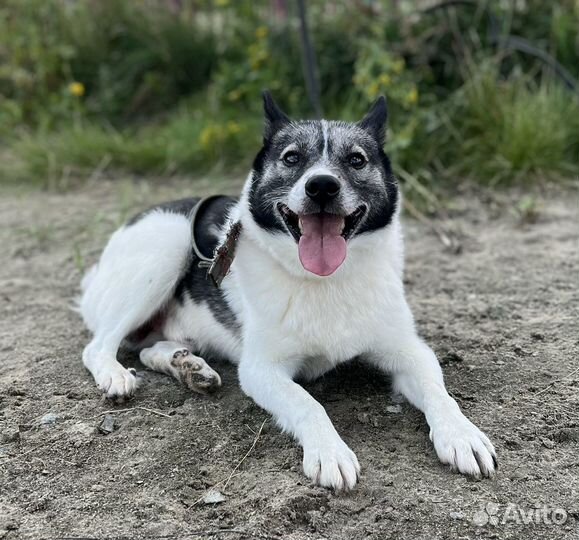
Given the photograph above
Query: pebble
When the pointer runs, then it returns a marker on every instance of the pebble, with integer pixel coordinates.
(456, 515)
(394, 409)
(547, 443)
(49, 419)
(10, 435)
(107, 425)
(214, 496)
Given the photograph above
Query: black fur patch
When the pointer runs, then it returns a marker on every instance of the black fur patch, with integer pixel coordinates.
(194, 282)
(382, 208)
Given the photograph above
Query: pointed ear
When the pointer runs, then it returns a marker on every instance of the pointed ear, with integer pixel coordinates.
(274, 117)
(375, 121)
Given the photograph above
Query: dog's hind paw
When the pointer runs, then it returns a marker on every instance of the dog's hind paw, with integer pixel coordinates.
(460, 444)
(332, 465)
(177, 360)
(194, 372)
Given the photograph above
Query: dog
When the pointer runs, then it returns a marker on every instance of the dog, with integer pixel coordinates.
(310, 264)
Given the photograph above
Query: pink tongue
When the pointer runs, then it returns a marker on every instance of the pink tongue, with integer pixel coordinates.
(322, 249)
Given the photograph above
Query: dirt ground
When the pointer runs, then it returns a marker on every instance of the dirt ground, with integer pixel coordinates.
(502, 315)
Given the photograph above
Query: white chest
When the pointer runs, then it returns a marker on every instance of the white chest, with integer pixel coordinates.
(337, 317)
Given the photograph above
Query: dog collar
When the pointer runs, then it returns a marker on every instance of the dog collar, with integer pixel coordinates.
(219, 264)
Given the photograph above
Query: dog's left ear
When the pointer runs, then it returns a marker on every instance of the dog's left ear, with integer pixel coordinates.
(375, 121)
(275, 118)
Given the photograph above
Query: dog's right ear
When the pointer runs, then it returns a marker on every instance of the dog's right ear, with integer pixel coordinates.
(275, 118)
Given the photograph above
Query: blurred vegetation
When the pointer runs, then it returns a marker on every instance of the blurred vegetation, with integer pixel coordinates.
(173, 86)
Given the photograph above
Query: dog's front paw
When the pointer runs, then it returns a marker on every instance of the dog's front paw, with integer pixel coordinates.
(331, 464)
(463, 446)
(117, 383)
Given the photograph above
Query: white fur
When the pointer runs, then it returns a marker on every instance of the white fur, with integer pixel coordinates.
(293, 323)
(135, 276)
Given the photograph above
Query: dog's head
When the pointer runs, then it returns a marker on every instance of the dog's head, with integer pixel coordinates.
(322, 184)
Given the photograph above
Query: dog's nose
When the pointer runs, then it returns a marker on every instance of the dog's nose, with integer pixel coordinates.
(322, 188)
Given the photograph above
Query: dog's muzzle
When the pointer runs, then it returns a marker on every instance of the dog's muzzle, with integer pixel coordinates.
(322, 236)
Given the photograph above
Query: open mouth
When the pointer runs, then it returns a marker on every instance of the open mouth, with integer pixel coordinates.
(294, 222)
(321, 237)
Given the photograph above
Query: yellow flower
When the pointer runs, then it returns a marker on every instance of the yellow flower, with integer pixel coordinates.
(398, 66)
(76, 89)
(385, 79)
(234, 95)
(373, 90)
(207, 137)
(233, 128)
(412, 96)
(261, 32)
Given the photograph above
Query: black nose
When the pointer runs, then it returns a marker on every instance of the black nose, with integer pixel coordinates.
(322, 188)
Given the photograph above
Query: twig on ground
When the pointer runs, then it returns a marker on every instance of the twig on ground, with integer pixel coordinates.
(549, 386)
(226, 481)
(246, 454)
(118, 411)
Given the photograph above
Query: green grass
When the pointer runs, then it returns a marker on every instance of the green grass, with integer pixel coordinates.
(183, 144)
(511, 129)
(110, 88)
(490, 130)
(498, 131)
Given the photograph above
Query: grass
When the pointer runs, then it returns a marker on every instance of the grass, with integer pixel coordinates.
(509, 130)
(116, 87)
(491, 130)
(183, 144)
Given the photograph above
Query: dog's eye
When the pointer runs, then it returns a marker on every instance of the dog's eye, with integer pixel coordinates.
(291, 158)
(357, 160)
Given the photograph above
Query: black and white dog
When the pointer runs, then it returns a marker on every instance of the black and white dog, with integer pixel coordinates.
(316, 281)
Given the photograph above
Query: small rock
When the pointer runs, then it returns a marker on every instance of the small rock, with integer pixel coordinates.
(363, 418)
(456, 515)
(214, 497)
(107, 425)
(394, 409)
(451, 356)
(538, 336)
(49, 419)
(547, 443)
(10, 435)
(97, 487)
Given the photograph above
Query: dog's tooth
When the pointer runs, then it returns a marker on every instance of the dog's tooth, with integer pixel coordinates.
(300, 225)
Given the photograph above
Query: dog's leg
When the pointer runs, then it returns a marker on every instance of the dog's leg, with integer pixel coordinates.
(135, 277)
(177, 360)
(327, 459)
(99, 357)
(417, 376)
